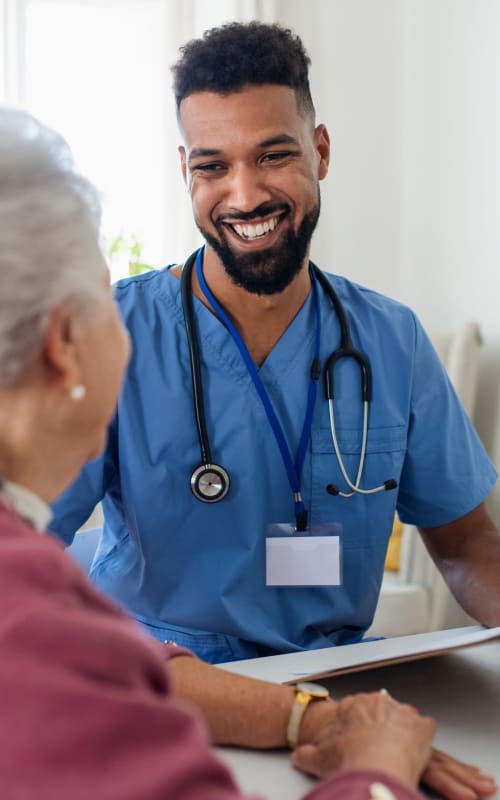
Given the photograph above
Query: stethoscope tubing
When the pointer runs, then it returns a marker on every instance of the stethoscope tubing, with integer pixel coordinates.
(217, 473)
(195, 360)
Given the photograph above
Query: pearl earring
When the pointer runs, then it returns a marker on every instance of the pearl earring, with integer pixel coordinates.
(78, 392)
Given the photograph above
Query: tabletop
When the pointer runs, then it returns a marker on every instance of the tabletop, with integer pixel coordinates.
(461, 690)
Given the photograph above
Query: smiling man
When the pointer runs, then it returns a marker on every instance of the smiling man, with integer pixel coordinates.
(252, 162)
(255, 195)
(246, 515)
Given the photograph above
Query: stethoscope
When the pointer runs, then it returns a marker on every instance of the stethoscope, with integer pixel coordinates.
(210, 482)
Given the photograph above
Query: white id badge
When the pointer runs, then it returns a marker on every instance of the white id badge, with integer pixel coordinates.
(293, 559)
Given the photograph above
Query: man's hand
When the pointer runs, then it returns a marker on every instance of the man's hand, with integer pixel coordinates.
(456, 780)
(249, 713)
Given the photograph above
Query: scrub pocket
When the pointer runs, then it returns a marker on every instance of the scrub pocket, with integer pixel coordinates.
(385, 451)
(211, 647)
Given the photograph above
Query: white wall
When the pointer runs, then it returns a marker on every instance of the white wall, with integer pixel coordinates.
(355, 80)
(450, 130)
(410, 90)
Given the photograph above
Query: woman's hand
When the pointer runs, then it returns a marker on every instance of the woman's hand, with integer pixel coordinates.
(371, 731)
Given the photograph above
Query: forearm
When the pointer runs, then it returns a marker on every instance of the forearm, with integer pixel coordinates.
(250, 713)
(242, 711)
(237, 710)
(476, 586)
(467, 552)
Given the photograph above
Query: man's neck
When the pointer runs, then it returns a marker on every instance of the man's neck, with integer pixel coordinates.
(261, 320)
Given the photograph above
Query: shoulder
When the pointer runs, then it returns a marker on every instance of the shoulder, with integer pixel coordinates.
(32, 565)
(147, 285)
(149, 300)
(144, 281)
(33, 572)
(355, 294)
(374, 313)
(22, 548)
(52, 613)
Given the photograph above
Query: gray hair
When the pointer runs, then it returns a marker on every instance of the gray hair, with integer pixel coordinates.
(49, 223)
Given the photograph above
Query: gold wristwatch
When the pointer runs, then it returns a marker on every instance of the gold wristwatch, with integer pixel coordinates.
(306, 692)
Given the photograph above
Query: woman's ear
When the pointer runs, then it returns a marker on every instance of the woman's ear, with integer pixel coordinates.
(61, 350)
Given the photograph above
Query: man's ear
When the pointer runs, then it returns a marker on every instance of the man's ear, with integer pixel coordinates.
(182, 154)
(322, 141)
(61, 350)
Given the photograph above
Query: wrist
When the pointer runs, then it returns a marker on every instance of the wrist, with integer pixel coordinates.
(316, 718)
(307, 695)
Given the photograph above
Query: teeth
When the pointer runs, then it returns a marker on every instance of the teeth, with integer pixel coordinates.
(256, 231)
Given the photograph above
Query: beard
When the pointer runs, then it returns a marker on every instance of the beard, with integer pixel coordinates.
(270, 270)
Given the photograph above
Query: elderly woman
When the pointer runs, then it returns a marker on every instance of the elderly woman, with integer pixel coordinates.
(87, 709)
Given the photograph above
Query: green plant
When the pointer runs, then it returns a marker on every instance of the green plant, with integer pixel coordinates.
(131, 247)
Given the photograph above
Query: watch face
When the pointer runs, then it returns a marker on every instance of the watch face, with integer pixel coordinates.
(313, 689)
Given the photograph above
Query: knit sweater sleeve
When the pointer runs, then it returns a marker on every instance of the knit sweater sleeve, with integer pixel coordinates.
(86, 705)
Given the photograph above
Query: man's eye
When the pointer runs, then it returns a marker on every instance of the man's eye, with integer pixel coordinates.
(276, 156)
(212, 167)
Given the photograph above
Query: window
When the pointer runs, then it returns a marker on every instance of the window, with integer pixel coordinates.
(98, 72)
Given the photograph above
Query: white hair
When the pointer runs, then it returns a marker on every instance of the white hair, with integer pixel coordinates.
(49, 226)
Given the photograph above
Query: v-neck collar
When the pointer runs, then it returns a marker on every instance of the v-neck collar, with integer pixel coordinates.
(298, 336)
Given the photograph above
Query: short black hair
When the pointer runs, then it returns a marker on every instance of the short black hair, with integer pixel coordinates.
(226, 59)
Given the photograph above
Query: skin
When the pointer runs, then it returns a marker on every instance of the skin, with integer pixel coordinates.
(246, 712)
(373, 731)
(231, 168)
(467, 553)
(39, 421)
(250, 150)
(240, 152)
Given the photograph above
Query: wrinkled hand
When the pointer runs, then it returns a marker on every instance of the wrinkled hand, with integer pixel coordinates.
(456, 780)
(453, 779)
(371, 731)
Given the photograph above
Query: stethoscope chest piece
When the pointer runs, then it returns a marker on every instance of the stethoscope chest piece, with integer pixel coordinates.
(209, 483)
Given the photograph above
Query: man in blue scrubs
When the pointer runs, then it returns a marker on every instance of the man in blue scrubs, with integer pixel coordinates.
(228, 579)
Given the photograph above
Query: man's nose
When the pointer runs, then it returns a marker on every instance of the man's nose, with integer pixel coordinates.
(246, 189)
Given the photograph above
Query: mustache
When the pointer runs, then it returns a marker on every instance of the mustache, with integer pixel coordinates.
(264, 210)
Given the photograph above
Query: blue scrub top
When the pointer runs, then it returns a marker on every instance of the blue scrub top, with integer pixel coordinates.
(194, 573)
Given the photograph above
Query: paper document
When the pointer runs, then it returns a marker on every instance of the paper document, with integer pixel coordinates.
(324, 663)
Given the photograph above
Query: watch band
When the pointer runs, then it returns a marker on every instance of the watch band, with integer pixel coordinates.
(305, 693)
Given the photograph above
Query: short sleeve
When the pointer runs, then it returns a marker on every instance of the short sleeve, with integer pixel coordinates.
(446, 472)
(74, 506)
(86, 696)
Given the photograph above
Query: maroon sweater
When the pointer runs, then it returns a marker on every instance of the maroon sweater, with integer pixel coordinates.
(85, 707)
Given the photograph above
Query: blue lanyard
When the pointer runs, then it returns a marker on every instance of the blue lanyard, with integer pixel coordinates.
(294, 470)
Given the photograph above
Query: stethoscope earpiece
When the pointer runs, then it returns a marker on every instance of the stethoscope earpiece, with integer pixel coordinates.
(386, 486)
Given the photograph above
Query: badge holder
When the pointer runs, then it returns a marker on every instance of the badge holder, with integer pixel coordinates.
(309, 558)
